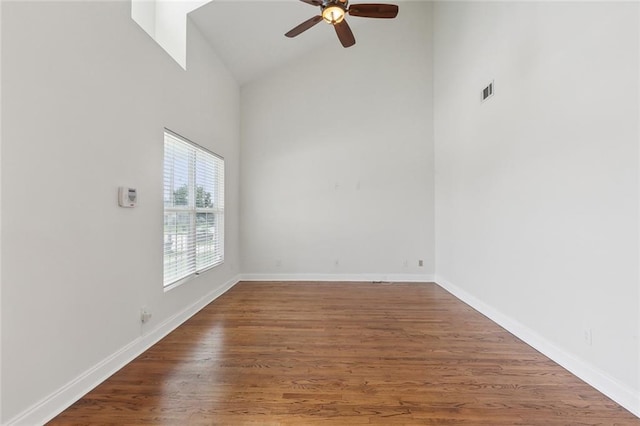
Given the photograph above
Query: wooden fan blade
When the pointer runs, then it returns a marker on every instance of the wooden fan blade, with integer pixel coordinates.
(374, 10)
(304, 26)
(313, 2)
(344, 34)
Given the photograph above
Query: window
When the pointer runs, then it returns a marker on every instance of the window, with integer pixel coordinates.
(193, 209)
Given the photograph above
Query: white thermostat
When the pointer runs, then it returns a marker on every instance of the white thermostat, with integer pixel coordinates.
(127, 197)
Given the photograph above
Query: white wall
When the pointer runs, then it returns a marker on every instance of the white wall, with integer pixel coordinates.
(1, 133)
(144, 13)
(537, 188)
(337, 158)
(86, 94)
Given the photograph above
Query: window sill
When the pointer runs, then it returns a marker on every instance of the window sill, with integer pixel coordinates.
(190, 277)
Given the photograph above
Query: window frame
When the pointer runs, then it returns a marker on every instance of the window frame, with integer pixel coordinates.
(217, 210)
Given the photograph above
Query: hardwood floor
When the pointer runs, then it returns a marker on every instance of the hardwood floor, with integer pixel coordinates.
(342, 354)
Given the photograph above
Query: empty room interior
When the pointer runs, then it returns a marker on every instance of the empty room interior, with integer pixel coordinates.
(203, 221)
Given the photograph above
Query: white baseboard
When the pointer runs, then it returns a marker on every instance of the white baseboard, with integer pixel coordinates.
(415, 278)
(58, 401)
(619, 392)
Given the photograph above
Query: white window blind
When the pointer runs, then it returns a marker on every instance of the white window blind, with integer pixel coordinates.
(193, 209)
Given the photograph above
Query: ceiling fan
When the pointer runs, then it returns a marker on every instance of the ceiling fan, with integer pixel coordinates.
(334, 11)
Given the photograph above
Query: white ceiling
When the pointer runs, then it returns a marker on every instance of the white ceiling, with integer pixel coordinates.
(249, 35)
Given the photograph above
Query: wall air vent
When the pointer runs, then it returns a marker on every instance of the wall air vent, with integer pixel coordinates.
(487, 92)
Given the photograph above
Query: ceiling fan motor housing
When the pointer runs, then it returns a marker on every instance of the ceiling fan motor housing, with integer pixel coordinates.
(342, 3)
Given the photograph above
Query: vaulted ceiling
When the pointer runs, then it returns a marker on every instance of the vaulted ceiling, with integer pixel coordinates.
(249, 35)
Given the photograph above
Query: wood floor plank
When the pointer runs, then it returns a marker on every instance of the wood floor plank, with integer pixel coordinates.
(342, 354)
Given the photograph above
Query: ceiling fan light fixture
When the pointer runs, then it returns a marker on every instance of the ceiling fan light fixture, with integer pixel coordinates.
(333, 14)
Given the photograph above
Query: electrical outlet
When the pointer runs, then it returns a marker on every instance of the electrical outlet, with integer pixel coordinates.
(420, 263)
(278, 263)
(405, 263)
(588, 336)
(145, 315)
